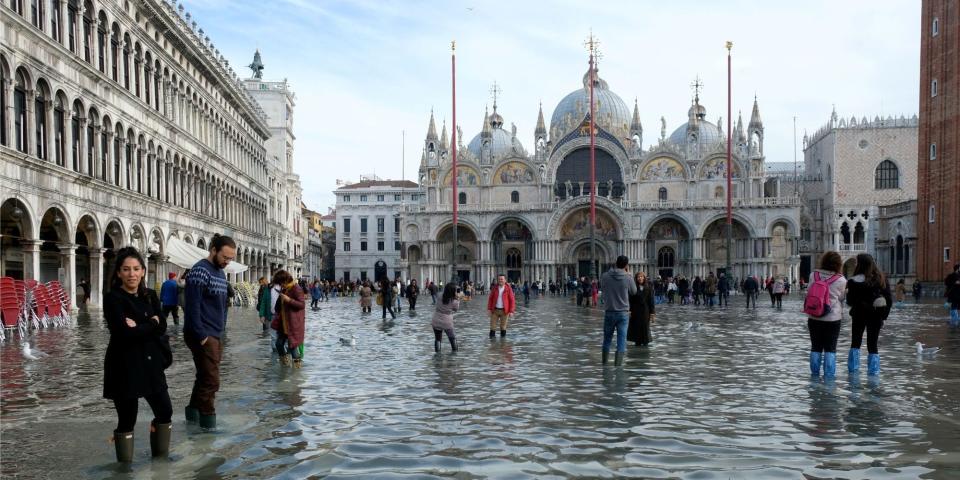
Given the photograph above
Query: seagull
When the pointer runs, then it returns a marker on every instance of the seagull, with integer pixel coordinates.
(559, 324)
(349, 342)
(694, 326)
(31, 354)
(926, 351)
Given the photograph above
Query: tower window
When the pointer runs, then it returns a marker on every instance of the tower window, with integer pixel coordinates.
(932, 214)
(933, 88)
(935, 28)
(514, 197)
(462, 200)
(662, 194)
(933, 151)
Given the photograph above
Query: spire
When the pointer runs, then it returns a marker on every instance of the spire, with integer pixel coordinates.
(755, 121)
(257, 65)
(487, 131)
(635, 125)
(443, 136)
(432, 129)
(541, 129)
(741, 137)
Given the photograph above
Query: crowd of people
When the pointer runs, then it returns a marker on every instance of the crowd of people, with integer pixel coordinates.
(139, 351)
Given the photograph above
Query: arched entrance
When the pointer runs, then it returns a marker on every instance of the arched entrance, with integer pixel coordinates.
(581, 255)
(574, 232)
(17, 252)
(380, 271)
(715, 247)
(668, 246)
(413, 260)
(465, 257)
(512, 249)
(88, 262)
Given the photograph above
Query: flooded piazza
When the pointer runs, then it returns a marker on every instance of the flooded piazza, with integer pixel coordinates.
(721, 393)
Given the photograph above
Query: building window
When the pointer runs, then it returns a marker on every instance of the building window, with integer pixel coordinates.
(662, 194)
(462, 200)
(379, 198)
(363, 225)
(933, 151)
(887, 176)
(363, 276)
(20, 112)
(346, 277)
(380, 225)
(346, 225)
(933, 88)
(932, 214)
(363, 246)
(346, 246)
(363, 198)
(935, 28)
(346, 198)
(946, 254)
(380, 246)
(396, 197)
(396, 245)
(514, 197)
(396, 225)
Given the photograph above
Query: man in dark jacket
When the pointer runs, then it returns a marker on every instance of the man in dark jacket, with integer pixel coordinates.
(617, 287)
(723, 290)
(168, 298)
(750, 290)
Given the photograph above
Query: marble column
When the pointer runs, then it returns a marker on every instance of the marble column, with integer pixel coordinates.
(96, 275)
(68, 260)
(31, 259)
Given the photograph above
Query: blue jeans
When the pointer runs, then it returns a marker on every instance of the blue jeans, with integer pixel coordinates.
(615, 321)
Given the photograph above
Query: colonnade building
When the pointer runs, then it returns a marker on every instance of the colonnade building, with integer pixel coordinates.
(121, 124)
(527, 214)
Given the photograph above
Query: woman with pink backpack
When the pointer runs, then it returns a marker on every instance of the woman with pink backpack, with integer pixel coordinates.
(823, 306)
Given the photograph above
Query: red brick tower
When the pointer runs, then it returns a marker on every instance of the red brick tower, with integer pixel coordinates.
(938, 182)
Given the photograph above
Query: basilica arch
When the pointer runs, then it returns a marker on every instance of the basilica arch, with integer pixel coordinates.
(669, 246)
(512, 250)
(467, 253)
(571, 175)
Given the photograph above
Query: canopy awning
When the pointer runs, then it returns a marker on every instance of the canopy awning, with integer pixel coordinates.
(184, 255)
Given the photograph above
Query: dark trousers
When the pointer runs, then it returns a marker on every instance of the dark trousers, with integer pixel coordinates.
(778, 300)
(206, 358)
(873, 333)
(724, 297)
(438, 336)
(282, 347)
(412, 301)
(167, 310)
(314, 302)
(751, 296)
(127, 410)
(823, 335)
(388, 306)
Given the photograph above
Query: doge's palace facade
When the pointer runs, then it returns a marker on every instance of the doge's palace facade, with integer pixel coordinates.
(122, 125)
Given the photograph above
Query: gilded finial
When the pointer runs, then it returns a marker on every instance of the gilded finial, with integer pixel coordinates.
(453, 45)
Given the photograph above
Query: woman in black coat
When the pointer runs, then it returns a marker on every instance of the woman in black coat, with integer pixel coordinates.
(641, 312)
(136, 356)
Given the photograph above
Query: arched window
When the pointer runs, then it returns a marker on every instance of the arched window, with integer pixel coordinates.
(20, 111)
(126, 62)
(859, 234)
(662, 194)
(115, 52)
(3, 105)
(514, 197)
(665, 257)
(75, 153)
(462, 198)
(887, 176)
(845, 233)
(105, 150)
(72, 12)
(55, 20)
(40, 121)
(59, 132)
(36, 13)
(933, 151)
(88, 31)
(102, 43)
(117, 154)
(933, 88)
(935, 28)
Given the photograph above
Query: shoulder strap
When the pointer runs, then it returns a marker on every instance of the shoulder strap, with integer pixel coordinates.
(833, 278)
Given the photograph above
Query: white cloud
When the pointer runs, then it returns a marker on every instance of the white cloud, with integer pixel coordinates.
(364, 71)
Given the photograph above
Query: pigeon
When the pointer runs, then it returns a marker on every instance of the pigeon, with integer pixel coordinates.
(926, 351)
(694, 326)
(559, 324)
(31, 354)
(349, 342)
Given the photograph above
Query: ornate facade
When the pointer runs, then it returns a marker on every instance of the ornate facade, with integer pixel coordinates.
(122, 125)
(527, 214)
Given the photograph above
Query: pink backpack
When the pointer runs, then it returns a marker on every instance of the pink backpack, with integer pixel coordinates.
(817, 303)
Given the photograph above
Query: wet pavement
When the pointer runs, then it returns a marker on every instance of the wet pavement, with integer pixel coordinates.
(731, 398)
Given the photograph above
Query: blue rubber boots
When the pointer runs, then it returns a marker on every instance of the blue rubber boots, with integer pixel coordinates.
(873, 364)
(853, 360)
(815, 359)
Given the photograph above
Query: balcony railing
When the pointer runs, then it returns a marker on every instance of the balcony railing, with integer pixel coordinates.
(852, 247)
(661, 205)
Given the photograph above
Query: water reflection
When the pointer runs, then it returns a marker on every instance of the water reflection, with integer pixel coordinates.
(731, 398)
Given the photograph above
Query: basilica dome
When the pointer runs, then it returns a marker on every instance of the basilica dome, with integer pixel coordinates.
(708, 132)
(612, 113)
(503, 144)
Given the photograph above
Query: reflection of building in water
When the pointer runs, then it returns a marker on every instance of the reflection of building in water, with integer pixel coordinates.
(527, 214)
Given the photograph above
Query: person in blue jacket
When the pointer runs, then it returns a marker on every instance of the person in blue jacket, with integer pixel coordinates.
(168, 298)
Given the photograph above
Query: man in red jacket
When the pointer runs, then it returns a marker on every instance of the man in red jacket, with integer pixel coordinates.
(501, 305)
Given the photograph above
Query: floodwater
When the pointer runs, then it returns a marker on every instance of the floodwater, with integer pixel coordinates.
(730, 399)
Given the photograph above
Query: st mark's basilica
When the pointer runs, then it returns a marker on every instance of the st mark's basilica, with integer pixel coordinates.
(526, 214)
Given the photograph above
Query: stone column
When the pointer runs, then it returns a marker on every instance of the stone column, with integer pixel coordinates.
(111, 174)
(96, 275)
(68, 260)
(6, 89)
(31, 259)
(31, 145)
(49, 130)
(82, 145)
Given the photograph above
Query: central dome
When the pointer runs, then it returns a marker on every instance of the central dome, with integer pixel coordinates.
(612, 113)
(503, 144)
(707, 132)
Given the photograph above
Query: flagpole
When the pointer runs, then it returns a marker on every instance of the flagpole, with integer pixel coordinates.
(456, 233)
(729, 165)
(593, 172)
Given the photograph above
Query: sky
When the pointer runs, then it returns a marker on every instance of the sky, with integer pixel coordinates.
(367, 73)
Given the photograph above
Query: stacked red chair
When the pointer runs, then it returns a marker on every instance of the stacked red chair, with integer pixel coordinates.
(41, 304)
(11, 306)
